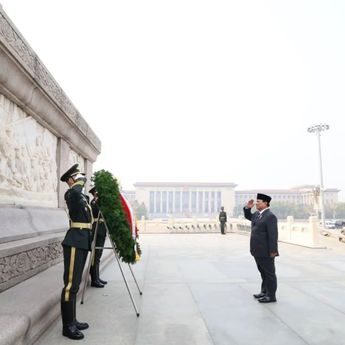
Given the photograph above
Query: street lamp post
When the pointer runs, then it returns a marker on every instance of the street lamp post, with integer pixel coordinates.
(317, 129)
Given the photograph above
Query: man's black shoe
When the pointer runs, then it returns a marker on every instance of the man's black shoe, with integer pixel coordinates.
(104, 282)
(259, 295)
(267, 299)
(72, 332)
(81, 325)
(97, 284)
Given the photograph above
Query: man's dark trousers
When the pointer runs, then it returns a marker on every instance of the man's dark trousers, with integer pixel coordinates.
(267, 270)
(222, 227)
(94, 269)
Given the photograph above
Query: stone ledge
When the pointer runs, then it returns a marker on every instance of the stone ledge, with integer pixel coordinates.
(20, 260)
(18, 222)
(29, 308)
(15, 247)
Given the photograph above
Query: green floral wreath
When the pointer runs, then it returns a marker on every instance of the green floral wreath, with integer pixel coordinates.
(110, 205)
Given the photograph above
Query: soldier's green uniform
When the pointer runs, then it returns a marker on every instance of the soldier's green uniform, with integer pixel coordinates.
(96, 281)
(76, 245)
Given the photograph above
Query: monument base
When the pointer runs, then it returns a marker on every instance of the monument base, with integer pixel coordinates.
(30, 242)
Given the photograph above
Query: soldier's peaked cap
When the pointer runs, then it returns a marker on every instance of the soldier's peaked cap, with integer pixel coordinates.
(70, 172)
(263, 197)
(92, 190)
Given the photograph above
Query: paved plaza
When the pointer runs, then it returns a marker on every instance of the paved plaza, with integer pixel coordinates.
(197, 289)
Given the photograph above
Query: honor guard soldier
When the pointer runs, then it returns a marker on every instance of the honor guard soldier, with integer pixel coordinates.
(222, 220)
(96, 281)
(76, 245)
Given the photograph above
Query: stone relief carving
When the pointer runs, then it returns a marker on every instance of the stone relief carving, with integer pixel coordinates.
(74, 158)
(27, 156)
(36, 68)
(22, 263)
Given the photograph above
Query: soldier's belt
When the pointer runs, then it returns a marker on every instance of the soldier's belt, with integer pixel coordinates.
(81, 225)
(99, 220)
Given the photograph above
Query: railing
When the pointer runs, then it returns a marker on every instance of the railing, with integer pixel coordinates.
(306, 233)
(301, 233)
(183, 225)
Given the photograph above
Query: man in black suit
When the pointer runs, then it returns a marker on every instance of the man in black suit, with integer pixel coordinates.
(264, 245)
(222, 220)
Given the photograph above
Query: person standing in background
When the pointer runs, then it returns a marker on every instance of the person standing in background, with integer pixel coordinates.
(222, 220)
(96, 281)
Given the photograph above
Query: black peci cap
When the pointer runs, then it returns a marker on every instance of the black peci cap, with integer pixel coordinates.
(69, 173)
(263, 197)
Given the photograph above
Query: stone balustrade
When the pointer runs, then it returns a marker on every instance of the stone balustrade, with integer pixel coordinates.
(179, 225)
(300, 233)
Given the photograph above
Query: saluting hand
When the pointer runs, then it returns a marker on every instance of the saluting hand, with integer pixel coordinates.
(250, 203)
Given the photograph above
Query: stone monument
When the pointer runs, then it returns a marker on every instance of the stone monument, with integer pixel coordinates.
(41, 135)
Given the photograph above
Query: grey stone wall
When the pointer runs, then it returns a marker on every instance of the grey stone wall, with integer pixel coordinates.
(30, 235)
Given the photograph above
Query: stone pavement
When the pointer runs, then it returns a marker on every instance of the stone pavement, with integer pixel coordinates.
(197, 289)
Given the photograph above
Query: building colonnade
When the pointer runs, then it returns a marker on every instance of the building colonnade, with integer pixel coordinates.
(184, 202)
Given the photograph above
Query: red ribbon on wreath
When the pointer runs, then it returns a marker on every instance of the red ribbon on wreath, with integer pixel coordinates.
(129, 215)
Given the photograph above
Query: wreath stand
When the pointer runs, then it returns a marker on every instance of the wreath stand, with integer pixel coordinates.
(113, 247)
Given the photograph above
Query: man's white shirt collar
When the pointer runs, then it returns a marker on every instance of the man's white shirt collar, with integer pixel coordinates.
(262, 211)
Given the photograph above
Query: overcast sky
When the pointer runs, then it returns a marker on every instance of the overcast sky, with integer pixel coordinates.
(212, 91)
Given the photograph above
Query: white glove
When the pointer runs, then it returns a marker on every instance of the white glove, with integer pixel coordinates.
(80, 177)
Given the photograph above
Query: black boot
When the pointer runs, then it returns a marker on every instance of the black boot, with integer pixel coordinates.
(104, 282)
(72, 332)
(80, 325)
(94, 281)
(67, 312)
(98, 278)
(69, 329)
(97, 284)
(93, 273)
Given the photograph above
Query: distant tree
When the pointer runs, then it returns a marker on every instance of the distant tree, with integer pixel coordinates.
(139, 210)
(330, 211)
(283, 209)
(335, 210)
(339, 211)
(238, 210)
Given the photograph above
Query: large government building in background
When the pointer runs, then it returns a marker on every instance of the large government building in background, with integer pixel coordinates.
(203, 200)
(302, 195)
(185, 199)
